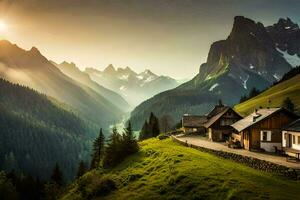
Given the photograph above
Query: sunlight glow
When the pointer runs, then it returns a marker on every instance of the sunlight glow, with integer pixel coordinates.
(3, 26)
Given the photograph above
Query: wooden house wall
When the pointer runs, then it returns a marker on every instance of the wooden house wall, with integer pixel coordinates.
(218, 131)
(274, 123)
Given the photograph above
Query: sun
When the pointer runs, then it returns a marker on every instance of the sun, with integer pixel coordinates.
(3, 26)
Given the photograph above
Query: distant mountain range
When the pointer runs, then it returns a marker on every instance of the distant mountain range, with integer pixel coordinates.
(71, 70)
(251, 56)
(32, 69)
(134, 87)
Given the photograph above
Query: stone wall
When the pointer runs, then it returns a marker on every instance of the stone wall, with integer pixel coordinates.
(249, 161)
(269, 146)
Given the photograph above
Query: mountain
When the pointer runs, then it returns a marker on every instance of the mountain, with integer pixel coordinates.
(134, 87)
(286, 36)
(274, 96)
(32, 69)
(249, 57)
(71, 70)
(167, 170)
(37, 132)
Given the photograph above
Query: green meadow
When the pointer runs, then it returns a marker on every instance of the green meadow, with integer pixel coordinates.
(164, 169)
(276, 94)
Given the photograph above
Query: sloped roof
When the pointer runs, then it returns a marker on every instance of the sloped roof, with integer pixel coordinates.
(259, 115)
(294, 126)
(216, 110)
(216, 114)
(193, 121)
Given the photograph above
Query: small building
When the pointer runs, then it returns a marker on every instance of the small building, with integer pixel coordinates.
(193, 124)
(218, 124)
(291, 137)
(262, 129)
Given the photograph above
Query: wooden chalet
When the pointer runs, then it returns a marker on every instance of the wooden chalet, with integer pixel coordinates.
(218, 124)
(193, 124)
(262, 129)
(291, 138)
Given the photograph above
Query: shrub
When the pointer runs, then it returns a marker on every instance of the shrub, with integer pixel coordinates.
(163, 137)
(104, 187)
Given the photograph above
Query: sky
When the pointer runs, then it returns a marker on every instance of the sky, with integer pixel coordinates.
(169, 37)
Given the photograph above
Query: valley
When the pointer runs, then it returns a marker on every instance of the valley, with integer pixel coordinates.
(149, 100)
(134, 87)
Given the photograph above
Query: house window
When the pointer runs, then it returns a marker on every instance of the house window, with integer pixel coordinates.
(222, 122)
(265, 136)
(298, 139)
(226, 122)
(294, 139)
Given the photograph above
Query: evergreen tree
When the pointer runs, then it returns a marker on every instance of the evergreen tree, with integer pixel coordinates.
(220, 102)
(145, 132)
(98, 150)
(57, 176)
(253, 93)
(243, 98)
(129, 143)
(113, 150)
(166, 122)
(52, 191)
(150, 129)
(7, 189)
(288, 104)
(81, 169)
(154, 125)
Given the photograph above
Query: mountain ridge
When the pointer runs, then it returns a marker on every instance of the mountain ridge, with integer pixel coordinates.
(32, 69)
(132, 86)
(248, 58)
(71, 70)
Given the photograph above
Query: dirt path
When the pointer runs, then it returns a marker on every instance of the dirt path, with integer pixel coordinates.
(201, 142)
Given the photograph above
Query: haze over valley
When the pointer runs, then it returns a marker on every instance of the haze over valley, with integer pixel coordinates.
(145, 99)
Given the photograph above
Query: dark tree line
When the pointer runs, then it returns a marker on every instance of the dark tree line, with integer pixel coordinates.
(253, 93)
(26, 187)
(290, 74)
(150, 128)
(37, 133)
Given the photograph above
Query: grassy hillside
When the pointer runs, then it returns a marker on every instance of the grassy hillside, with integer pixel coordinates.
(167, 170)
(289, 88)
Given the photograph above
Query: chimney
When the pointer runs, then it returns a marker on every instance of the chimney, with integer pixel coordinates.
(256, 115)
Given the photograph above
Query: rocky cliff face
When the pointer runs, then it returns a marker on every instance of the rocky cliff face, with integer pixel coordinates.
(251, 56)
(248, 54)
(286, 36)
